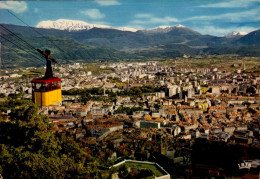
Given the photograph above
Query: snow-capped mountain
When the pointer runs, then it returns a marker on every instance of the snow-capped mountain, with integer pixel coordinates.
(235, 34)
(162, 29)
(76, 25)
(70, 25)
(127, 29)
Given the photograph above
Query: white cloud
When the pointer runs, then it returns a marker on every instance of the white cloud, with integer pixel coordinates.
(231, 4)
(93, 14)
(15, 6)
(107, 2)
(250, 15)
(222, 31)
(147, 19)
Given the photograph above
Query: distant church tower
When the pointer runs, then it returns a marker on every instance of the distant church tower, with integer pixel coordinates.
(163, 147)
(244, 67)
(104, 89)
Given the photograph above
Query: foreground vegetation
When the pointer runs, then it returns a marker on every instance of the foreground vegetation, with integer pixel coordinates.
(30, 149)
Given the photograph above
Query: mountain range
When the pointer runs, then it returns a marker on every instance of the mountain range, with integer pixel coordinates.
(76, 25)
(87, 42)
(235, 34)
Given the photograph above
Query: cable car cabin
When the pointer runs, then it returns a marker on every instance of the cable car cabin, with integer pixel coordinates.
(46, 91)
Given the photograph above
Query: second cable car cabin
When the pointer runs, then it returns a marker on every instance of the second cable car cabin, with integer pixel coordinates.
(46, 90)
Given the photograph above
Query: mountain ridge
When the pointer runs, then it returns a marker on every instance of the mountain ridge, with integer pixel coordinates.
(69, 25)
(114, 38)
(79, 25)
(76, 25)
(235, 34)
(102, 43)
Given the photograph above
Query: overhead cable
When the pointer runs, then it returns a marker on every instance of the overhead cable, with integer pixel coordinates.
(38, 64)
(28, 52)
(40, 34)
(18, 37)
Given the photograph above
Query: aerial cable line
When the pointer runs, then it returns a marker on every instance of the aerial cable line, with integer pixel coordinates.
(22, 46)
(12, 38)
(12, 33)
(18, 37)
(28, 52)
(41, 35)
(17, 42)
(32, 47)
(39, 64)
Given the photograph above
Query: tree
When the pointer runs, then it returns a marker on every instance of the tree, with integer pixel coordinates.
(2, 95)
(30, 149)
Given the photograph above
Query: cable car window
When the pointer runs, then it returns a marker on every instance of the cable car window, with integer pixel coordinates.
(49, 87)
(58, 85)
(44, 87)
(38, 86)
(33, 86)
(54, 85)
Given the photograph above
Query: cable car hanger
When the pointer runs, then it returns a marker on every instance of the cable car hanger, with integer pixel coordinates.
(49, 59)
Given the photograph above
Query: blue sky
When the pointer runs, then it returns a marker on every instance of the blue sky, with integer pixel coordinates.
(214, 17)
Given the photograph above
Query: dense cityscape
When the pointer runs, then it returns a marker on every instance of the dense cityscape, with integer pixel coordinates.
(130, 89)
(190, 116)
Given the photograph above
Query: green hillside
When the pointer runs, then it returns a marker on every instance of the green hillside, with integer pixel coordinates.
(65, 50)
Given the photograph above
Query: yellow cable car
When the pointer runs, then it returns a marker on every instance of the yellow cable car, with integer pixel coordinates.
(46, 92)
